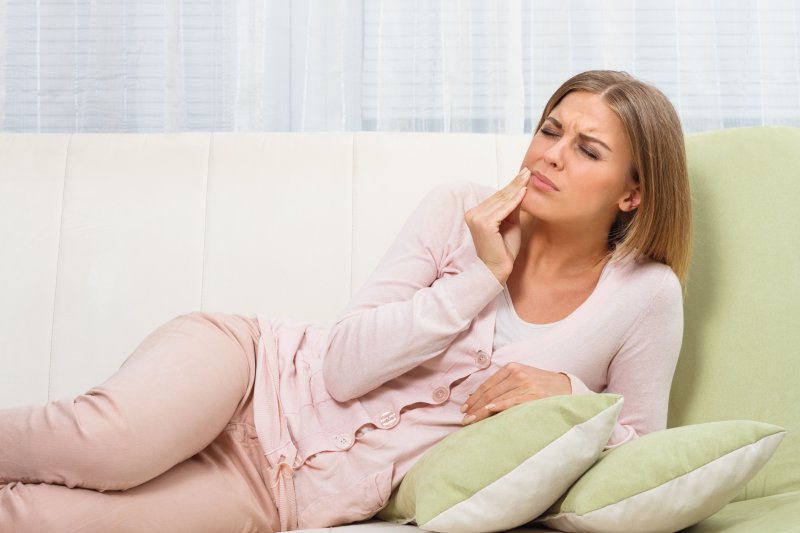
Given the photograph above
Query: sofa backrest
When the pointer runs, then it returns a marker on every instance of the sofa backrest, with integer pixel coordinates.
(741, 345)
(105, 237)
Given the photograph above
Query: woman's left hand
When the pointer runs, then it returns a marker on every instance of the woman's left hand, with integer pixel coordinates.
(512, 385)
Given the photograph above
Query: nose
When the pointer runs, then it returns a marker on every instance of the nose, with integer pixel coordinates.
(553, 155)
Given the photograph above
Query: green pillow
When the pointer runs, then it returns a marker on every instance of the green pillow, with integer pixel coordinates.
(667, 480)
(507, 469)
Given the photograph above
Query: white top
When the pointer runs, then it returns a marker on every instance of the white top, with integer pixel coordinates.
(509, 327)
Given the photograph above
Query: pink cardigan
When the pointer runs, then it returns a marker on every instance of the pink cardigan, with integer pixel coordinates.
(416, 340)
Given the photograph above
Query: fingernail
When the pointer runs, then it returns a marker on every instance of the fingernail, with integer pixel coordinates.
(490, 407)
(468, 419)
(526, 171)
(464, 408)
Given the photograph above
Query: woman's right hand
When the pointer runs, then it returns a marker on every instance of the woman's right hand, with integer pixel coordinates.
(494, 224)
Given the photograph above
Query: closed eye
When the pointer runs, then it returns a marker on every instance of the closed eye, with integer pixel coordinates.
(583, 137)
(590, 154)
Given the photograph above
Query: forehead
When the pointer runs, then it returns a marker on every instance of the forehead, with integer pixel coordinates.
(588, 113)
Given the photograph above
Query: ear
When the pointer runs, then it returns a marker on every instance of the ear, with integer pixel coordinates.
(631, 200)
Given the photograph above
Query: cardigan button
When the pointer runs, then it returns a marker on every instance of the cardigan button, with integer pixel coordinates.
(343, 441)
(440, 394)
(389, 419)
(483, 360)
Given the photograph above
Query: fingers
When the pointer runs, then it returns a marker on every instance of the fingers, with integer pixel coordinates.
(509, 197)
(520, 178)
(495, 386)
(513, 384)
(497, 403)
(507, 401)
(501, 203)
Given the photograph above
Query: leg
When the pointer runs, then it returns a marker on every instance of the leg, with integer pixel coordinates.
(218, 490)
(170, 399)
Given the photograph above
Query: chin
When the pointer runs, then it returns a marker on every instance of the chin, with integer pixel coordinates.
(533, 208)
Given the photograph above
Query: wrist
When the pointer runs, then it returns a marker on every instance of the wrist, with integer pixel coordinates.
(502, 274)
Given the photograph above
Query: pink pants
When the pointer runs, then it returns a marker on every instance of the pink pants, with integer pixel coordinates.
(166, 444)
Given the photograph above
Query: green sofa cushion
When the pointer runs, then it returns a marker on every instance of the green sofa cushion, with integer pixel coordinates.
(779, 513)
(741, 348)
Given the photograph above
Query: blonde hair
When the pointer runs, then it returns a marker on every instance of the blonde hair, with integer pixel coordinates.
(660, 228)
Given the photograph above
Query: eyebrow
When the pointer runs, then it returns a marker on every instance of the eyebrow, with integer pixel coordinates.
(582, 135)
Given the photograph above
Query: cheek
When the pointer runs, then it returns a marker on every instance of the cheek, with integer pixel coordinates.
(528, 160)
(534, 152)
(593, 186)
(608, 190)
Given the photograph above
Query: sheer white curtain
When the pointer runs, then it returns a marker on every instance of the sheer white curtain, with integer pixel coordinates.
(424, 65)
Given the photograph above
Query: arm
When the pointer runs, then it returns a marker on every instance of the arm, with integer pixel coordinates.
(643, 367)
(405, 313)
(641, 371)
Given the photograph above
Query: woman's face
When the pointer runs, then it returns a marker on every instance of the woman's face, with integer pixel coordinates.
(582, 151)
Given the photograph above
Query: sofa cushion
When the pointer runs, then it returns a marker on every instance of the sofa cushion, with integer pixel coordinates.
(519, 460)
(667, 480)
(741, 347)
(777, 514)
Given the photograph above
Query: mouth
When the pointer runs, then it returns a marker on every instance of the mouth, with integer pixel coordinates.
(540, 181)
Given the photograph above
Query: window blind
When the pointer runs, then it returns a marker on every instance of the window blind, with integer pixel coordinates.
(402, 65)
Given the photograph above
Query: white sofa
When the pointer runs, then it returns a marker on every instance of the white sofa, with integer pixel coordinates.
(105, 237)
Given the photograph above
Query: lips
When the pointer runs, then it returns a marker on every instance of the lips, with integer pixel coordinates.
(541, 181)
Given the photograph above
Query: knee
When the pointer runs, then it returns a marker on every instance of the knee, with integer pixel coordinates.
(22, 511)
(113, 469)
(110, 455)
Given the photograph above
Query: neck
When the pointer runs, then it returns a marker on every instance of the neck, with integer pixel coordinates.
(557, 251)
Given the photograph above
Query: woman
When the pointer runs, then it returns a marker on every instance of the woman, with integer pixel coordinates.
(565, 281)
